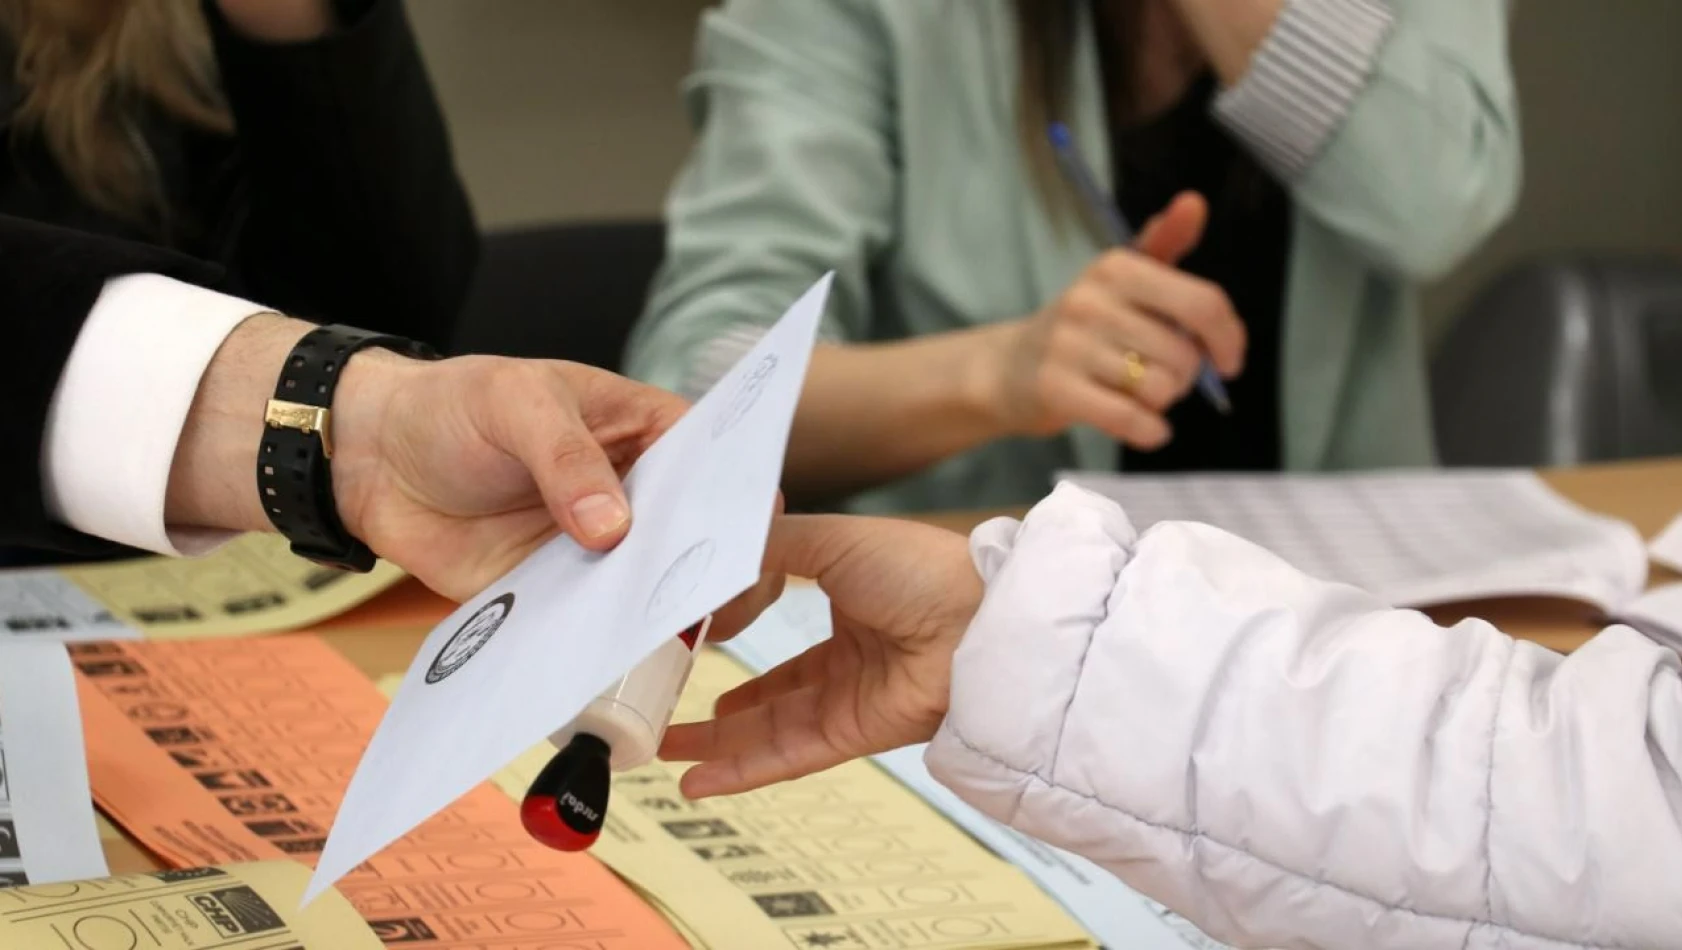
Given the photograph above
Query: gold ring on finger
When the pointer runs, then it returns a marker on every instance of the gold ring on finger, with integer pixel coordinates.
(1134, 366)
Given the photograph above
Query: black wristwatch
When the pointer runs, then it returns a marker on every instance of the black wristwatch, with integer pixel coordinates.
(294, 463)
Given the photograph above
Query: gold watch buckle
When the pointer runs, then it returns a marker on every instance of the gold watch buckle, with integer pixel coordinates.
(307, 419)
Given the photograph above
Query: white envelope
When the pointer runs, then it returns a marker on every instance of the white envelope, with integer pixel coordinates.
(524, 657)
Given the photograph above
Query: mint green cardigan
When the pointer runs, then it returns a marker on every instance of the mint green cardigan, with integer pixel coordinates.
(878, 138)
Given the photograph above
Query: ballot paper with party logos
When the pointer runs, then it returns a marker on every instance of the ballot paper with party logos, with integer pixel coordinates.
(524, 657)
(253, 584)
(237, 907)
(846, 858)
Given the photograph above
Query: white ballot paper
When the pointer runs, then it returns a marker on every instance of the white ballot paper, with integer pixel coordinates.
(43, 604)
(1410, 538)
(1666, 549)
(47, 829)
(524, 657)
(1107, 908)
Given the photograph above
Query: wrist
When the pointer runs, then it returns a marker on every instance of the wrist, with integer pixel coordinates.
(367, 389)
(984, 383)
(210, 482)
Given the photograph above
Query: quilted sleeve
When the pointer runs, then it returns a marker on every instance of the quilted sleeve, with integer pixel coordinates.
(1289, 763)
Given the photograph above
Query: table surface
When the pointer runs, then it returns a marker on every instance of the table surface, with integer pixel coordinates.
(381, 636)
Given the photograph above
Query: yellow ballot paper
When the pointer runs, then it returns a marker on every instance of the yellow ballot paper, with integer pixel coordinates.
(255, 584)
(845, 860)
(238, 907)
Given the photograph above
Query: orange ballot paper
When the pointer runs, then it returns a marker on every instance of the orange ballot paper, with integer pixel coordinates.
(214, 752)
(240, 907)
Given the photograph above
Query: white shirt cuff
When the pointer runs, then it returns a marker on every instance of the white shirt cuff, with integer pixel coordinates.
(121, 402)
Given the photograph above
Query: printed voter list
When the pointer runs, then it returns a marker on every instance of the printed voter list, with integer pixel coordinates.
(524, 657)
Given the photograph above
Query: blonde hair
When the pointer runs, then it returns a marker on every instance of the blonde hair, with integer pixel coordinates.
(90, 69)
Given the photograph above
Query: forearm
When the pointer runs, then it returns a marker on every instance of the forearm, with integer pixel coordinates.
(1230, 31)
(871, 413)
(213, 477)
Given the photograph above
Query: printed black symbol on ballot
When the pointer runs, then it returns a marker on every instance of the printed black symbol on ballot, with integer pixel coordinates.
(839, 937)
(180, 735)
(680, 579)
(746, 395)
(302, 845)
(8, 839)
(237, 911)
(204, 758)
(794, 904)
(187, 874)
(402, 930)
(253, 603)
(132, 688)
(232, 780)
(284, 827)
(250, 806)
(36, 624)
(695, 830)
(724, 852)
(110, 668)
(474, 633)
(173, 613)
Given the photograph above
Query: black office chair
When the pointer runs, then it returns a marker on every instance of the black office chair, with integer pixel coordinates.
(1563, 362)
(561, 291)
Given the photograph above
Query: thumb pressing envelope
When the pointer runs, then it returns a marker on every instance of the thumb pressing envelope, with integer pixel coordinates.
(524, 657)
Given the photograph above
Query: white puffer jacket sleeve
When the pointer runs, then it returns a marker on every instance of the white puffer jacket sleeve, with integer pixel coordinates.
(1289, 763)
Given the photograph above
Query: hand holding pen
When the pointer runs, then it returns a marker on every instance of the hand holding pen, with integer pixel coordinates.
(1168, 248)
(1127, 339)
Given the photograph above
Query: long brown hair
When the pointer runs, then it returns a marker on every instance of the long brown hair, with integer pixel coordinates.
(1046, 46)
(1046, 38)
(90, 69)
(1047, 30)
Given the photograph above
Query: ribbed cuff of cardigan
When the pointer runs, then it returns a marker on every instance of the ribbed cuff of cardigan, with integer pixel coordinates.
(1304, 79)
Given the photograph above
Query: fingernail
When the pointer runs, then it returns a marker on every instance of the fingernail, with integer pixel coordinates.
(600, 515)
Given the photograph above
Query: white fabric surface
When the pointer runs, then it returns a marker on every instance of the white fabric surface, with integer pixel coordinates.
(1289, 763)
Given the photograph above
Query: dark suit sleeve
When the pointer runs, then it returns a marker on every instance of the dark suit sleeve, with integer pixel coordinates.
(49, 280)
(356, 213)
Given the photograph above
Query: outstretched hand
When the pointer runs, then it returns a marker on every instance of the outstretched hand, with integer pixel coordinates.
(454, 470)
(901, 596)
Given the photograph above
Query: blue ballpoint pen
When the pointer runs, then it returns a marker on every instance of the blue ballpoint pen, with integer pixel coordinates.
(1063, 144)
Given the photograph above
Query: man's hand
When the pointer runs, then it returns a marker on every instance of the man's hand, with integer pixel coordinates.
(453, 470)
(902, 596)
(457, 470)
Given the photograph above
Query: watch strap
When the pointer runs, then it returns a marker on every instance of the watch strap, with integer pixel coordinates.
(294, 461)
